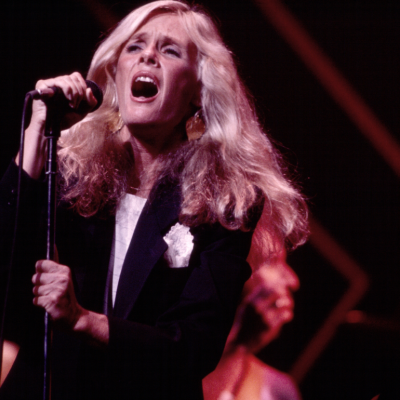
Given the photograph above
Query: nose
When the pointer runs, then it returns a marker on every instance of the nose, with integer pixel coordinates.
(149, 56)
(292, 280)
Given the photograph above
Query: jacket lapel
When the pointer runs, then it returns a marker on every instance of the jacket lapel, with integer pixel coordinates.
(146, 247)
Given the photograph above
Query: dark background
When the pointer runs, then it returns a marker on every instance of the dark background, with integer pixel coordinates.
(352, 191)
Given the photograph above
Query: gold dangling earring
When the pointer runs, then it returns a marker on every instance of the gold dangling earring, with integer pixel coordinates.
(117, 124)
(120, 122)
(195, 126)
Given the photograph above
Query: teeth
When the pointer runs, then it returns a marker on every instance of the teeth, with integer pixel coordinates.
(144, 79)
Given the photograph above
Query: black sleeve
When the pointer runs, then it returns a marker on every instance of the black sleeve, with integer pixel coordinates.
(29, 247)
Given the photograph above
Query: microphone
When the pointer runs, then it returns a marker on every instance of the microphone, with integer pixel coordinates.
(60, 103)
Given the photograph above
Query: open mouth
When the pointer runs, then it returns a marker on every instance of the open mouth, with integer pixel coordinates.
(144, 86)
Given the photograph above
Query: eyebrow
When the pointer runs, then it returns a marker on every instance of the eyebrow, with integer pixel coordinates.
(165, 38)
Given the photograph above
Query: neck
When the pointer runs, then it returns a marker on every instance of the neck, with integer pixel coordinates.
(147, 153)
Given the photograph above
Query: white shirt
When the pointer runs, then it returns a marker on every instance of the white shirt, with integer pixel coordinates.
(126, 218)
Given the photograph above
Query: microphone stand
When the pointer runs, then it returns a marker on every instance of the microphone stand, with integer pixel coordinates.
(52, 133)
(57, 110)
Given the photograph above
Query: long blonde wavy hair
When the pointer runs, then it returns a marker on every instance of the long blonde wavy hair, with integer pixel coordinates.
(223, 176)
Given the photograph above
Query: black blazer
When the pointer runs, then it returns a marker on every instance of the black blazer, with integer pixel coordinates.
(169, 325)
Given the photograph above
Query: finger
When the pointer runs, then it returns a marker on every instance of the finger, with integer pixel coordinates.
(78, 86)
(43, 290)
(50, 266)
(60, 82)
(49, 302)
(44, 278)
(36, 279)
(57, 304)
(63, 82)
(92, 101)
(79, 81)
(73, 86)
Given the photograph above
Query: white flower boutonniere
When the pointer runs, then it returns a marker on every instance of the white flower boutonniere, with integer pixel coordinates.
(180, 246)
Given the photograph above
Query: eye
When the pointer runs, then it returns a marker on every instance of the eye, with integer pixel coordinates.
(172, 51)
(133, 47)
